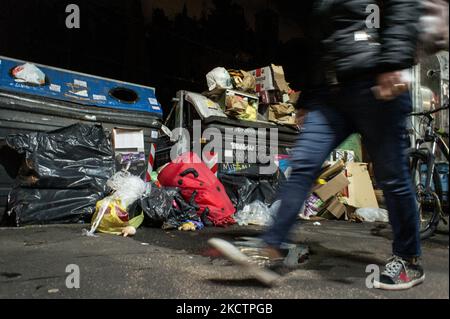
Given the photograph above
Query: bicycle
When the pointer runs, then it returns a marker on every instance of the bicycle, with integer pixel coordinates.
(425, 176)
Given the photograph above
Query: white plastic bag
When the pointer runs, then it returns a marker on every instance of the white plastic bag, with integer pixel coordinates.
(127, 189)
(371, 215)
(219, 78)
(256, 213)
(29, 73)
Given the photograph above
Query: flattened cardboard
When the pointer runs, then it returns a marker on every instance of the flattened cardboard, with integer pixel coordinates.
(336, 208)
(330, 171)
(279, 79)
(332, 188)
(360, 191)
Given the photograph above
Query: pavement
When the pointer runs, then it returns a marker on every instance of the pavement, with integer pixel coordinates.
(157, 264)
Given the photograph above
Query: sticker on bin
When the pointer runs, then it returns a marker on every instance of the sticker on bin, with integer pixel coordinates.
(55, 88)
(97, 97)
(154, 103)
(80, 83)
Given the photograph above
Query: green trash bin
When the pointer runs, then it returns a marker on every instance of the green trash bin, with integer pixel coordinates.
(352, 144)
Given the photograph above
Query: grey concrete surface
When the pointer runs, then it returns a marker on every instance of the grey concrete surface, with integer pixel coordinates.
(158, 264)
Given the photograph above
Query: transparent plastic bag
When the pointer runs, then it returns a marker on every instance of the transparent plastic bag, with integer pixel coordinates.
(256, 213)
(111, 215)
(219, 78)
(371, 215)
(29, 73)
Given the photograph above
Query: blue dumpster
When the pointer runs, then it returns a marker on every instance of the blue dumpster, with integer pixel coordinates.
(67, 97)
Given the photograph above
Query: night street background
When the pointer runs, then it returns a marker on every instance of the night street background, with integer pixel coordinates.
(169, 45)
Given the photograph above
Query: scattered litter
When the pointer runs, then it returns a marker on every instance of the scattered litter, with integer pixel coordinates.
(111, 215)
(371, 215)
(256, 213)
(317, 224)
(128, 231)
(166, 208)
(189, 226)
(53, 291)
(312, 207)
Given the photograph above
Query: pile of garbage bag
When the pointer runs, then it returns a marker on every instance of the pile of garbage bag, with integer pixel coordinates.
(197, 182)
(166, 208)
(61, 175)
(133, 203)
(247, 186)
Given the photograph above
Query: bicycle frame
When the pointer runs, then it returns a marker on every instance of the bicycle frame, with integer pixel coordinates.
(437, 141)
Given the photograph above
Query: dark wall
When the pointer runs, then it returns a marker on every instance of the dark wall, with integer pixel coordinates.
(116, 40)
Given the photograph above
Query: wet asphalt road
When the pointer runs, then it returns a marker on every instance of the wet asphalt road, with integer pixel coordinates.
(158, 264)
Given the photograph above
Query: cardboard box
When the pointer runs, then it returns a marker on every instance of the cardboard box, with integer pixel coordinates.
(270, 97)
(270, 78)
(128, 140)
(335, 208)
(332, 188)
(360, 190)
(332, 170)
(264, 79)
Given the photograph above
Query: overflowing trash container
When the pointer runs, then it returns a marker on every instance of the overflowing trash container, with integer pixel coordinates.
(243, 137)
(41, 104)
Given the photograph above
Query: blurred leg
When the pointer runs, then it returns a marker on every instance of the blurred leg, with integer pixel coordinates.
(383, 127)
(324, 129)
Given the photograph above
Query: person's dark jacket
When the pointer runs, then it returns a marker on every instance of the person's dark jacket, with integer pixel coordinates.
(337, 44)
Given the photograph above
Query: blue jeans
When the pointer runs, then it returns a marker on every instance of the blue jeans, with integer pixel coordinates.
(334, 115)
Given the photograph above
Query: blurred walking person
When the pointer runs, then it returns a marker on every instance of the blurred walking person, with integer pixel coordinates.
(355, 85)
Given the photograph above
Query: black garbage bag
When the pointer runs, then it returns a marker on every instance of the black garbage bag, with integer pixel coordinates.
(166, 208)
(245, 187)
(75, 157)
(157, 206)
(185, 211)
(61, 176)
(33, 206)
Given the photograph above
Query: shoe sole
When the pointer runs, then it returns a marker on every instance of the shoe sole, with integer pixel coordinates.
(233, 254)
(397, 287)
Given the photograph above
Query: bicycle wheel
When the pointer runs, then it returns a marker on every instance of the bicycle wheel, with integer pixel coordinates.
(429, 203)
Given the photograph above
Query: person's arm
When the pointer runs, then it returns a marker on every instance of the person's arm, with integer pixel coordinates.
(399, 34)
(398, 38)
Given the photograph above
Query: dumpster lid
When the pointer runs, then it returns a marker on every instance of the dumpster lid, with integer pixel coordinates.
(81, 88)
(210, 112)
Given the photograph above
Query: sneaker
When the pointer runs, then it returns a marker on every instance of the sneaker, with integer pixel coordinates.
(400, 274)
(235, 255)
